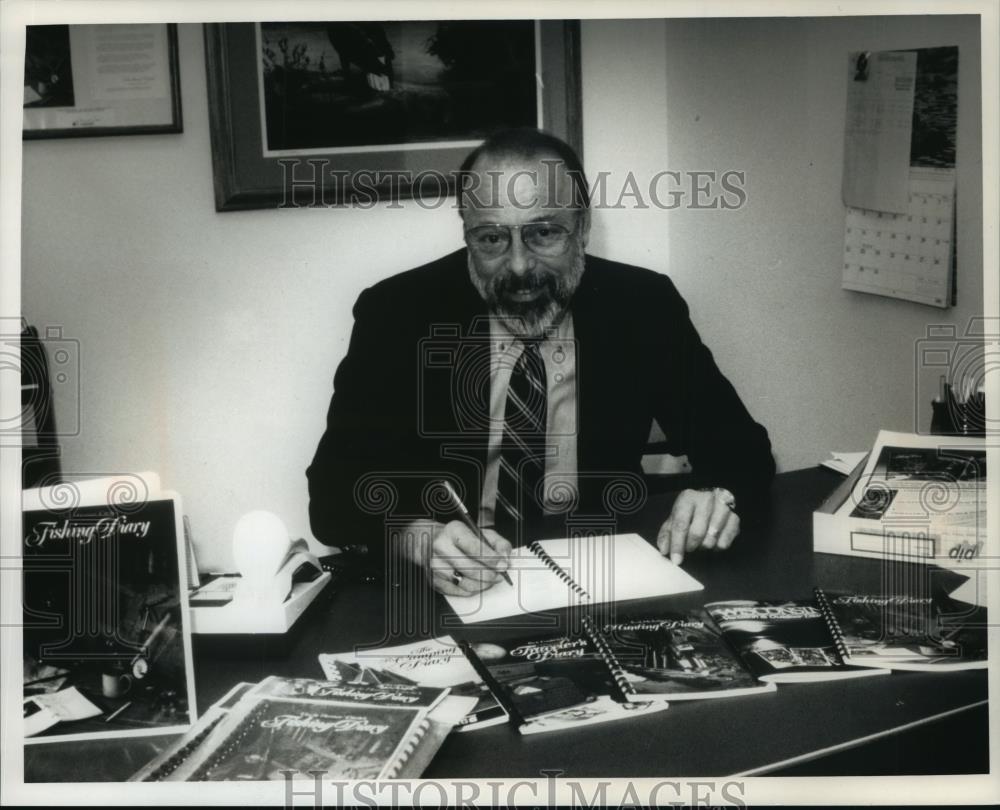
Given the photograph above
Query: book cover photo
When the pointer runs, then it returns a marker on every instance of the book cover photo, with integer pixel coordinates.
(906, 631)
(783, 641)
(105, 615)
(678, 657)
(430, 662)
(549, 683)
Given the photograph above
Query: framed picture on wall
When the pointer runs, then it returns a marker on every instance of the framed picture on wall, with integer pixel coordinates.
(317, 114)
(87, 80)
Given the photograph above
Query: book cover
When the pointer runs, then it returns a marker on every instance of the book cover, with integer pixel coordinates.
(348, 731)
(105, 608)
(905, 631)
(678, 657)
(430, 662)
(551, 682)
(269, 736)
(782, 641)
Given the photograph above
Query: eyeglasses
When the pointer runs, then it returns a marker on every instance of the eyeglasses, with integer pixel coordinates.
(542, 238)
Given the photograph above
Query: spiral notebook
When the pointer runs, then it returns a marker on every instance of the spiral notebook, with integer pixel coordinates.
(298, 724)
(574, 571)
(905, 631)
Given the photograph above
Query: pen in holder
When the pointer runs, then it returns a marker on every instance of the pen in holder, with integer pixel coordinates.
(955, 416)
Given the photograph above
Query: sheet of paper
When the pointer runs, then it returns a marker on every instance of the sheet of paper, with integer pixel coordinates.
(907, 255)
(878, 129)
(69, 704)
(607, 568)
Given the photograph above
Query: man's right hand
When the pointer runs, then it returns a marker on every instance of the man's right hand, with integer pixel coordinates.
(453, 558)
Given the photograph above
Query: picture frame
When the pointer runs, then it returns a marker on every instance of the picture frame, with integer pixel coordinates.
(248, 175)
(95, 80)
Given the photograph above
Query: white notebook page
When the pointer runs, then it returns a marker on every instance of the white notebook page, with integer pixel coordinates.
(610, 568)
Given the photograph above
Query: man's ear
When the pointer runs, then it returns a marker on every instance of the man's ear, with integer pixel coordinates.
(585, 226)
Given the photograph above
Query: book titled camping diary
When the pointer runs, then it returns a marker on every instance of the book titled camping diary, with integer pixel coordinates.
(905, 631)
(431, 662)
(783, 641)
(574, 571)
(549, 682)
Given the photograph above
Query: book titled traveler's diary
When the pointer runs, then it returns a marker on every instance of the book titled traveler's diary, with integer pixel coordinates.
(783, 641)
(905, 631)
(676, 657)
(549, 682)
(570, 572)
(431, 662)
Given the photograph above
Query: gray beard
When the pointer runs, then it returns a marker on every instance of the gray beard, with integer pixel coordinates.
(533, 318)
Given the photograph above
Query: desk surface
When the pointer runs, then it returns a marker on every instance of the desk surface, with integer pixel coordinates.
(735, 736)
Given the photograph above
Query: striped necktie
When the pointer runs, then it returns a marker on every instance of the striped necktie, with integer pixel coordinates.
(522, 449)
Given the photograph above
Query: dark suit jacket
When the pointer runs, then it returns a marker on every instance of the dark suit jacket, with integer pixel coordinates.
(410, 403)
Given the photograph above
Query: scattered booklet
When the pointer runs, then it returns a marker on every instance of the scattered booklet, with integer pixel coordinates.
(356, 731)
(677, 657)
(905, 632)
(432, 662)
(570, 572)
(548, 683)
(783, 641)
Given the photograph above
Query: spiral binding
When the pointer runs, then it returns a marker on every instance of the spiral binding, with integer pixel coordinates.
(536, 549)
(407, 751)
(610, 659)
(230, 745)
(175, 760)
(831, 623)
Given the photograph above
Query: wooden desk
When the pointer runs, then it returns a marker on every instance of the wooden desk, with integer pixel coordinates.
(737, 736)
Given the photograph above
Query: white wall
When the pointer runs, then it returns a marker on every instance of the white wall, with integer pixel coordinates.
(823, 368)
(208, 341)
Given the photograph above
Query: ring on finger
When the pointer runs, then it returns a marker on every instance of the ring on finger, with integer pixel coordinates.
(456, 578)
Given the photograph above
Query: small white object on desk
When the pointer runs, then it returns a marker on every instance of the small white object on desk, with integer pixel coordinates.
(844, 463)
(266, 597)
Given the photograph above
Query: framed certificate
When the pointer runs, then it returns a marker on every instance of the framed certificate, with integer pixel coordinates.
(87, 80)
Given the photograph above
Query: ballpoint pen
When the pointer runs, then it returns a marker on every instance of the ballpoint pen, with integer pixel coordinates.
(467, 520)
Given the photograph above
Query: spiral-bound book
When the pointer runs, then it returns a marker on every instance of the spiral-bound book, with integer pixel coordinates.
(575, 571)
(300, 725)
(675, 657)
(548, 683)
(905, 631)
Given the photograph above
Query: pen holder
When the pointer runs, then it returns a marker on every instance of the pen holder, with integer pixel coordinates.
(950, 417)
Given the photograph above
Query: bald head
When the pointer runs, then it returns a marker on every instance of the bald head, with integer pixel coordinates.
(543, 158)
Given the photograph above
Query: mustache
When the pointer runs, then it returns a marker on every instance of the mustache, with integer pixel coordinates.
(529, 282)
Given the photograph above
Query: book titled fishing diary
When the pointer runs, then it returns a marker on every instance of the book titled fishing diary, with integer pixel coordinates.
(905, 631)
(296, 726)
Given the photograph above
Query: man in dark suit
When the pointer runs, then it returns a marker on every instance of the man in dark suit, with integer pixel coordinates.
(527, 374)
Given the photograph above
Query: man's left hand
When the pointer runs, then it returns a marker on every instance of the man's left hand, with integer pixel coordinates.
(699, 519)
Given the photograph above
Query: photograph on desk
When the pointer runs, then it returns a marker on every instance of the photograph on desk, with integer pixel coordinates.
(107, 641)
